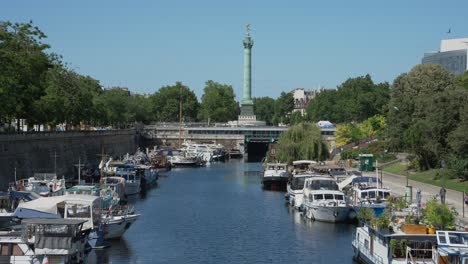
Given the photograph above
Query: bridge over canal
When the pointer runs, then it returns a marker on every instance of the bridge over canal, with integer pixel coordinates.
(252, 141)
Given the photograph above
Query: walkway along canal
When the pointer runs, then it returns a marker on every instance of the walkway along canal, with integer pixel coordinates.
(220, 214)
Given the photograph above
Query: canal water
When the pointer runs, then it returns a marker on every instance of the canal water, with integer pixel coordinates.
(220, 214)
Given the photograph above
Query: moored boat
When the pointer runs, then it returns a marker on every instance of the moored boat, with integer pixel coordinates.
(275, 176)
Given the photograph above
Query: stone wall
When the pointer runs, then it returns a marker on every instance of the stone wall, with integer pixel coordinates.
(35, 152)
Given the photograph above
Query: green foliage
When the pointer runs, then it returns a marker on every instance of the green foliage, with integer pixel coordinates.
(383, 221)
(463, 80)
(438, 215)
(264, 109)
(425, 107)
(218, 103)
(24, 63)
(301, 142)
(284, 105)
(166, 103)
(366, 214)
(350, 132)
(274, 112)
(355, 100)
(347, 133)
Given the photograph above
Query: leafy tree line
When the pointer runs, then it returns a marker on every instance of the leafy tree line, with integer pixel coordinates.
(37, 86)
(428, 116)
(355, 100)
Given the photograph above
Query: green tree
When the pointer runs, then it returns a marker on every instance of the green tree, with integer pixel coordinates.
(373, 126)
(264, 109)
(113, 106)
(424, 108)
(283, 108)
(166, 103)
(355, 100)
(218, 103)
(68, 97)
(463, 80)
(140, 109)
(302, 141)
(24, 63)
(347, 133)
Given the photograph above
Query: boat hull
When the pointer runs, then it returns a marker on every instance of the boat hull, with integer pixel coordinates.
(332, 214)
(118, 225)
(132, 188)
(275, 183)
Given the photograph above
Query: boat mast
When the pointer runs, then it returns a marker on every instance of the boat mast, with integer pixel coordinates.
(180, 115)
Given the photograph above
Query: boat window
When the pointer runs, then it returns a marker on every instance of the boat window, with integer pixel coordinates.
(338, 197)
(79, 211)
(372, 194)
(380, 194)
(318, 196)
(386, 195)
(364, 195)
(17, 251)
(328, 196)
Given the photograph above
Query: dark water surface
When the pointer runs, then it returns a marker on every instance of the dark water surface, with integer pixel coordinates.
(220, 214)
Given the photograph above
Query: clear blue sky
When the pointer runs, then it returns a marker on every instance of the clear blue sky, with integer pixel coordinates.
(148, 44)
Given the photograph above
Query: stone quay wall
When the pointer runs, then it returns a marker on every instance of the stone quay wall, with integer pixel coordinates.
(42, 152)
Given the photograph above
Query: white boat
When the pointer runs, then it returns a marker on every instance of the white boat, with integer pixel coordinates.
(44, 184)
(375, 247)
(132, 180)
(275, 176)
(116, 184)
(182, 161)
(366, 193)
(60, 240)
(323, 201)
(117, 222)
(295, 189)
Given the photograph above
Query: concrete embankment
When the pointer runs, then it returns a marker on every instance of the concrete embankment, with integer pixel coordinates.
(37, 152)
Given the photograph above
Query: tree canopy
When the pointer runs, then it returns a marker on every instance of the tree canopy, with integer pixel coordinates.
(426, 106)
(301, 142)
(355, 100)
(218, 103)
(166, 103)
(274, 111)
(24, 63)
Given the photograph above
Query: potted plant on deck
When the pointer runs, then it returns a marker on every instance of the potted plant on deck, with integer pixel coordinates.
(438, 216)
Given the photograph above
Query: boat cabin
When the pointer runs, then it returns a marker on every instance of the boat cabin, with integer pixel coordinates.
(61, 240)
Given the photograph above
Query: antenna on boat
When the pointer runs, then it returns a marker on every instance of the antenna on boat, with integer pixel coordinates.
(55, 161)
(79, 169)
(15, 174)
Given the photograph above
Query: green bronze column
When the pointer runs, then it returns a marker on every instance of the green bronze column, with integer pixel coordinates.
(247, 103)
(248, 43)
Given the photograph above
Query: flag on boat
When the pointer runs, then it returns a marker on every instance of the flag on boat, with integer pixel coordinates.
(45, 260)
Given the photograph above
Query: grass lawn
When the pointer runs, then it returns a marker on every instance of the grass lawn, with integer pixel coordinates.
(429, 177)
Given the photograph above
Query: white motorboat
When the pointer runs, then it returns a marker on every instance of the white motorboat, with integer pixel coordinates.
(323, 201)
(275, 176)
(44, 184)
(72, 206)
(39, 239)
(132, 179)
(117, 221)
(366, 193)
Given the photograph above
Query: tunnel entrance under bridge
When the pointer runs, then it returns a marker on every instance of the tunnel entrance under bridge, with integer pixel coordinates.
(256, 151)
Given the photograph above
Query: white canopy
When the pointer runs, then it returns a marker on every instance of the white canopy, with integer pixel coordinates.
(49, 204)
